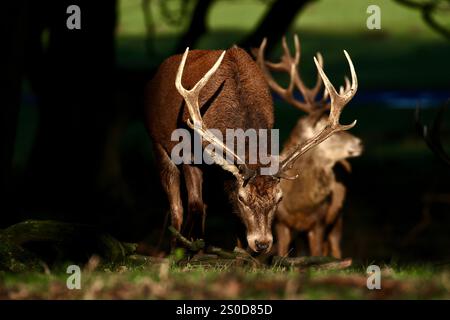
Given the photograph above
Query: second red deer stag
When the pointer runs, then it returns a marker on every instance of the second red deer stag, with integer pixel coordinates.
(312, 202)
(221, 90)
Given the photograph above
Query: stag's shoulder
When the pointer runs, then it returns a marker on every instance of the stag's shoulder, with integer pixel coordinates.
(245, 64)
(252, 87)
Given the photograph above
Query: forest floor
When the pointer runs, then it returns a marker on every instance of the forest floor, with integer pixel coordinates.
(162, 279)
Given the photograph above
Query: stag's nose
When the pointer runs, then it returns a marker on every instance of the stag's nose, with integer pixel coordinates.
(360, 144)
(261, 245)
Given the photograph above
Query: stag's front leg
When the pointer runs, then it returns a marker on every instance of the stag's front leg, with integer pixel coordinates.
(334, 238)
(334, 219)
(170, 180)
(283, 234)
(338, 193)
(195, 222)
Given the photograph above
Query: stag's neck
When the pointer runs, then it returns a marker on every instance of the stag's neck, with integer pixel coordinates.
(304, 195)
(314, 158)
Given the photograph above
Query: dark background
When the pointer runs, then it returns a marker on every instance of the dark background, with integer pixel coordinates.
(74, 147)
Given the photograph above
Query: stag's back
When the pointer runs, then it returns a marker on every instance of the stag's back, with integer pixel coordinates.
(236, 96)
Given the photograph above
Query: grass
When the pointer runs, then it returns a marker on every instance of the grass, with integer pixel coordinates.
(165, 280)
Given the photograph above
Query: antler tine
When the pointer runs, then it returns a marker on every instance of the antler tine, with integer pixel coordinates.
(322, 103)
(337, 104)
(286, 64)
(290, 65)
(196, 123)
(306, 93)
(191, 96)
(318, 85)
(310, 94)
(339, 101)
(286, 61)
(347, 83)
(260, 60)
(287, 53)
(343, 89)
(283, 65)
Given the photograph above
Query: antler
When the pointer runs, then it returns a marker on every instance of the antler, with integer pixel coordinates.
(290, 64)
(195, 122)
(338, 101)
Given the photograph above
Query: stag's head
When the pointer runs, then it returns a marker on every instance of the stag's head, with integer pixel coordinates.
(255, 193)
(338, 147)
(255, 203)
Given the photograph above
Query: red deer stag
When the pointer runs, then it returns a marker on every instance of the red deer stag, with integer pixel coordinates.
(227, 90)
(312, 202)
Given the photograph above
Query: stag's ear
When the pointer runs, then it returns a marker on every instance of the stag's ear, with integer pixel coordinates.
(246, 174)
(247, 179)
(286, 177)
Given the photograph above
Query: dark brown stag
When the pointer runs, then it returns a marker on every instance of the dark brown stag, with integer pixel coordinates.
(227, 90)
(312, 202)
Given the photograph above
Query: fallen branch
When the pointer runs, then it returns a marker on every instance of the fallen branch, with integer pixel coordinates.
(72, 240)
(194, 246)
(14, 258)
(338, 265)
(322, 263)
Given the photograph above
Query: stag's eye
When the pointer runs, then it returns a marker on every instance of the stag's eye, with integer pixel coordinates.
(241, 199)
(279, 199)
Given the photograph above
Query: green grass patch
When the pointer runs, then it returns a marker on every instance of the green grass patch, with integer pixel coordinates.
(168, 281)
(405, 53)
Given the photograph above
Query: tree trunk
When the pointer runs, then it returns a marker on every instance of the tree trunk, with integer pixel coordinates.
(197, 26)
(275, 23)
(73, 79)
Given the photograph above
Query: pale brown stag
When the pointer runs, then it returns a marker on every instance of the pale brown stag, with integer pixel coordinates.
(225, 90)
(312, 203)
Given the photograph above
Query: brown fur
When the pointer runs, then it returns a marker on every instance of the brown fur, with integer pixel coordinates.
(236, 96)
(312, 202)
(243, 102)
